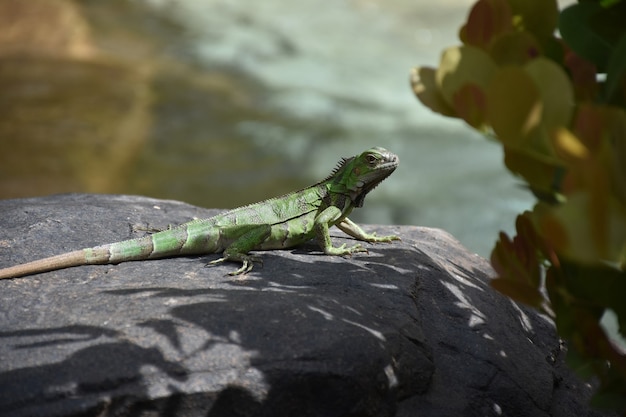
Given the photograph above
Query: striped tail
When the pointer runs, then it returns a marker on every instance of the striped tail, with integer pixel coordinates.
(192, 238)
(112, 253)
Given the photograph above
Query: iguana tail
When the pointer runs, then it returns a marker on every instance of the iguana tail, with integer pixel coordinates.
(65, 260)
(187, 239)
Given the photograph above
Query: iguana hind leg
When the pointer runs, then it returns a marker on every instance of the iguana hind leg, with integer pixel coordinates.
(238, 250)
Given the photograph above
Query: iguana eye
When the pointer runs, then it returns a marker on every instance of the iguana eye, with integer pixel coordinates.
(371, 159)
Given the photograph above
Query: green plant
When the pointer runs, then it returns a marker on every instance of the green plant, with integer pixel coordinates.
(558, 107)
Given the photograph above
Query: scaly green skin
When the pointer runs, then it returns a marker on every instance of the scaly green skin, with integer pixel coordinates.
(277, 223)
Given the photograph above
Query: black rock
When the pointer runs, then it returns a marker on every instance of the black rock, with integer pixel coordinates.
(410, 329)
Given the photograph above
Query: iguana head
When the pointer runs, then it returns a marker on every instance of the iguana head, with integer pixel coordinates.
(360, 174)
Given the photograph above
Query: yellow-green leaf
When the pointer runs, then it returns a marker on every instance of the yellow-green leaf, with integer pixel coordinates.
(555, 89)
(513, 105)
(541, 173)
(539, 17)
(568, 146)
(583, 232)
(461, 65)
(427, 91)
(514, 48)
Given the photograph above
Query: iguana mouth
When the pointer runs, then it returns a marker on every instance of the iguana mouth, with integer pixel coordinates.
(391, 165)
(388, 167)
(392, 162)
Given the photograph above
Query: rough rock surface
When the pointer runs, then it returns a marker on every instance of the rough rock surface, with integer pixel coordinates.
(412, 328)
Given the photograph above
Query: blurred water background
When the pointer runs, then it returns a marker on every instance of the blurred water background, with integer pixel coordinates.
(224, 102)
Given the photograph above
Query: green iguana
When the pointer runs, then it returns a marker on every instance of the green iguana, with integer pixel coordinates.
(277, 223)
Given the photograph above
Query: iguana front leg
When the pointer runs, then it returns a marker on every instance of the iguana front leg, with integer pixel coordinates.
(238, 250)
(353, 229)
(326, 217)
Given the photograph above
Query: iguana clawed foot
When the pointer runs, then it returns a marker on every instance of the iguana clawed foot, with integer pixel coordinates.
(343, 250)
(247, 260)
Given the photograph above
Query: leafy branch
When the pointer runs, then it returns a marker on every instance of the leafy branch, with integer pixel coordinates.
(558, 107)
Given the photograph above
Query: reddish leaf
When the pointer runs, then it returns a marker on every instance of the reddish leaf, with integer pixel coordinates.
(518, 291)
(590, 124)
(583, 75)
(470, 105)
(518, 263)
(486, 20)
